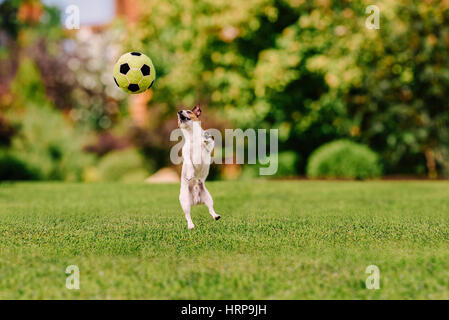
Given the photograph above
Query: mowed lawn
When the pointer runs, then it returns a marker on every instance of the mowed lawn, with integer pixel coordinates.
(276, 240)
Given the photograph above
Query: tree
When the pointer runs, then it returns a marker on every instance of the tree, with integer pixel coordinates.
(311, 69)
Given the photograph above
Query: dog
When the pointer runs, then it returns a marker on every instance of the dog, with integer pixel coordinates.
(196, 155)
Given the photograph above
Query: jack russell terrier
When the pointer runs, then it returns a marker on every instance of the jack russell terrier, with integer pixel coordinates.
(196, 154)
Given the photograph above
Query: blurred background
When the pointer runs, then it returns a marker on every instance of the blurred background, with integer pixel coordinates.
(349, 102)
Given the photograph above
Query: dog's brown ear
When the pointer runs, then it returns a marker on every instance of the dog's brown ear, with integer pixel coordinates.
(197, 111)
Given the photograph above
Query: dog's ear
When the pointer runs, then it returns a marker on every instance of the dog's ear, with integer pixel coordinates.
(197, 111)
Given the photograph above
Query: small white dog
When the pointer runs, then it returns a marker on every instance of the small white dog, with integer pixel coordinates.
(196, 154)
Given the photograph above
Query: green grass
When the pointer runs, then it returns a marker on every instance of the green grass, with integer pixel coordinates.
(276, 240)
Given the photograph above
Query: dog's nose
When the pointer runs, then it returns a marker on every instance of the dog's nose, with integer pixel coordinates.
(179, 112)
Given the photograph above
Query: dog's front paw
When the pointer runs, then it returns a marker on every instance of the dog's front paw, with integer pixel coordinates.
(191, 226)
(217, 217)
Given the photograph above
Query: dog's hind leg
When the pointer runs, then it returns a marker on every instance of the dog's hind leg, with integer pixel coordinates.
(186, 209)
(206, 198)
(186, 205)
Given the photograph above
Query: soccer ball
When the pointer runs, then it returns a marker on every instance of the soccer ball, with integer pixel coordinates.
(134, 73)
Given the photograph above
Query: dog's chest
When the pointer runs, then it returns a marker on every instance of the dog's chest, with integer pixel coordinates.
(200, 170)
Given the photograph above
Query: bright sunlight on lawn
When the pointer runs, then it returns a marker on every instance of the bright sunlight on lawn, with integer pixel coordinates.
(276, 240)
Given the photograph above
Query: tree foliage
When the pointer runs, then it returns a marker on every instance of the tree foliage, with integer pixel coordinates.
(311, 69)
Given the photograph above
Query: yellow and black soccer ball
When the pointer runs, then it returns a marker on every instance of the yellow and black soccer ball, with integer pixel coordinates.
(134, 72)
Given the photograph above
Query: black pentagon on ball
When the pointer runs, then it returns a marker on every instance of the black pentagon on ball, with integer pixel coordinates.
(124, 68)
(136, 54)
(115, 80)
(146, 70)
(133, 87)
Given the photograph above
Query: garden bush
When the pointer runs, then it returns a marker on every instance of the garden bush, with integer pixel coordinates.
(15, 169)
(45, 139)
(286, 166)
(343, 159)
(124, 165)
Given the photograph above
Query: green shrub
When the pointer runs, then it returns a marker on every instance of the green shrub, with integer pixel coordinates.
(286, 166)
(45, 140)
(287, 162)
(343, 159)
(125, 165)
(48, 142)
(15, 169)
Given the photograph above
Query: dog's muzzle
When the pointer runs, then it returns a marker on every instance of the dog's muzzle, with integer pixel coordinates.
(182, 117)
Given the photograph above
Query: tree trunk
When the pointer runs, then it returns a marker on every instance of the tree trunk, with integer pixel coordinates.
(431, 164)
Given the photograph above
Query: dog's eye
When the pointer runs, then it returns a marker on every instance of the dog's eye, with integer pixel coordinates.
(189, 112)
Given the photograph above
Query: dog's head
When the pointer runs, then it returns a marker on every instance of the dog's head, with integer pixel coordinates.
(186, 118)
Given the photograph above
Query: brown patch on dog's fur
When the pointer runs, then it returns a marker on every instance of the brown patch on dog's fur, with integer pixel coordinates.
(192, 116)
(197, 112)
